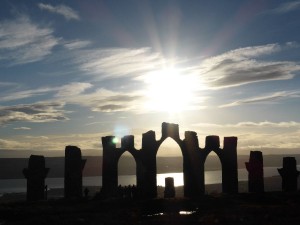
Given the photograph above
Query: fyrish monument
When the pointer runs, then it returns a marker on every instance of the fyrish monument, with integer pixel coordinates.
(193, 161)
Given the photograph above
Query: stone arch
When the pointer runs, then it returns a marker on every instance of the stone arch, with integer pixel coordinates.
(178, 142)
(208, 159)
(127, 154)
(193, 161)
(217, 152)
(175, 143)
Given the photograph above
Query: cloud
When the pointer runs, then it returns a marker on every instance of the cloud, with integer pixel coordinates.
(278, 136)
(13, 144)
(36, 112)
(71, 89)
(22, 41)
(273, 97)
(76, 44)
(117, 62)
(98, 100)
(233, 68)
(63, 10)
(286, 7)
(85, 141)
(7, 84)
(248, 124)
(103, 100)
(243, 66)
(270, 140)
(22, 128)
(268, 124)
(25, 94)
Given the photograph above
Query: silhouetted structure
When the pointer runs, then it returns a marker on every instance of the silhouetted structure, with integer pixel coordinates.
(255, 168)
(169, 188)
(35, 175)
(86, 192)
(73, 172)
(289, 174)
(193, 162)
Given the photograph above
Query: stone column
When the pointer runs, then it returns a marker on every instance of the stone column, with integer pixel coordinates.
(35, 175)
(147, 177)
(255, 168)
(229, 166)
(289, 174)
(169, 188)
(193, 166)
(73, 172)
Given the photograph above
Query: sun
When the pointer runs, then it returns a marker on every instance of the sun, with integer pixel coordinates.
(169, 90)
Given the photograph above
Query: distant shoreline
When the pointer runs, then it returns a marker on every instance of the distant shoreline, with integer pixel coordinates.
(11, 168)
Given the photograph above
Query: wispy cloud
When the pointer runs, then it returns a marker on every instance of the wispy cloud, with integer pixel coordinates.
(270, 137)
(17, 95)
(76, 44)
(53, 142)
(71, 89)
(243, 66)
(233, 68)
(22, 41)
(7, 84)
(94, 123)
(99, 100)
(63, 10)
(286, 7)
(37, 113)
(118, 62)
(22, 128)
(103, 100)
(267, 98)
(13, 144)
(248, 124)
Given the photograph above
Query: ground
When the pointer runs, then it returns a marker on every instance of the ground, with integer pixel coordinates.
(268, 208)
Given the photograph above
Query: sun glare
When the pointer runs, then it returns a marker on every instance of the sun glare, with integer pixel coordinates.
(168, 90)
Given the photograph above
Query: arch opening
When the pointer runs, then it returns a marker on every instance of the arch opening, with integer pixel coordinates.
(169, 163)
(213, 174)
(126, 170)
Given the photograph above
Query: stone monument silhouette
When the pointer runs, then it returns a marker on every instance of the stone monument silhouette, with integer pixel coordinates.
(73, 172)
(35, 175)
(193, 162)
(169, 188)
(255, 168)
(289, 174)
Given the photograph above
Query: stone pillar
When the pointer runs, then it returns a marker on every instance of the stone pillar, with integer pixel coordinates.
(169, 188)
(109, 167)
(255, 168)
(289, 174)
(169, 130)
(35, 175)
(193, 166)
(229, 166)
(74, 165)
(147, 166)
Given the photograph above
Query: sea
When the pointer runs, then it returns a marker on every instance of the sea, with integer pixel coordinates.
(211, 177)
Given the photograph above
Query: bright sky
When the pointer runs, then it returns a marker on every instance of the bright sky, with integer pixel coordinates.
(74, 71)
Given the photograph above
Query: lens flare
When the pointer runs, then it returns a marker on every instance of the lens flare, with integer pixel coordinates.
(115, 140)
